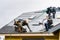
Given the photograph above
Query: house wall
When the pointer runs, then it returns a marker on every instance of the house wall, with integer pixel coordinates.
(55, 37)
(19, 38)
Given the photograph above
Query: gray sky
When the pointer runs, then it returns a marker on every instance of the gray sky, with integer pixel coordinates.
(10, 9)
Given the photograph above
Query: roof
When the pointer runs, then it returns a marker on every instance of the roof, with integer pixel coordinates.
(9, 28)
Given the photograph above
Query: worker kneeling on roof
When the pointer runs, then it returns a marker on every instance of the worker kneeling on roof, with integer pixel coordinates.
(48, 23)
(20, 25)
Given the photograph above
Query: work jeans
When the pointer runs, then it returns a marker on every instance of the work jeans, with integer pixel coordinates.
(47, 26)
(49, 14)
(53, 15)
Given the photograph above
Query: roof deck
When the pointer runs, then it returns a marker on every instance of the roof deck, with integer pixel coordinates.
(37, 30)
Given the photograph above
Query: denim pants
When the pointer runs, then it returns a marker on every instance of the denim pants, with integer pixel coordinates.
(53, 15)
(47, 26)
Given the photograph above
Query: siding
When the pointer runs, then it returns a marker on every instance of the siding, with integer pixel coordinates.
(55, 37)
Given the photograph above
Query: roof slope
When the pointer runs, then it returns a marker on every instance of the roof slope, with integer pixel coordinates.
(9, 28)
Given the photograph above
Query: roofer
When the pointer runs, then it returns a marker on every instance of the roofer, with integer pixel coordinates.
(19, 27)
(51, 10)
(48, 23)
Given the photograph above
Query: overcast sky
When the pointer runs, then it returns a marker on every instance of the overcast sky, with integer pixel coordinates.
(10, 9)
